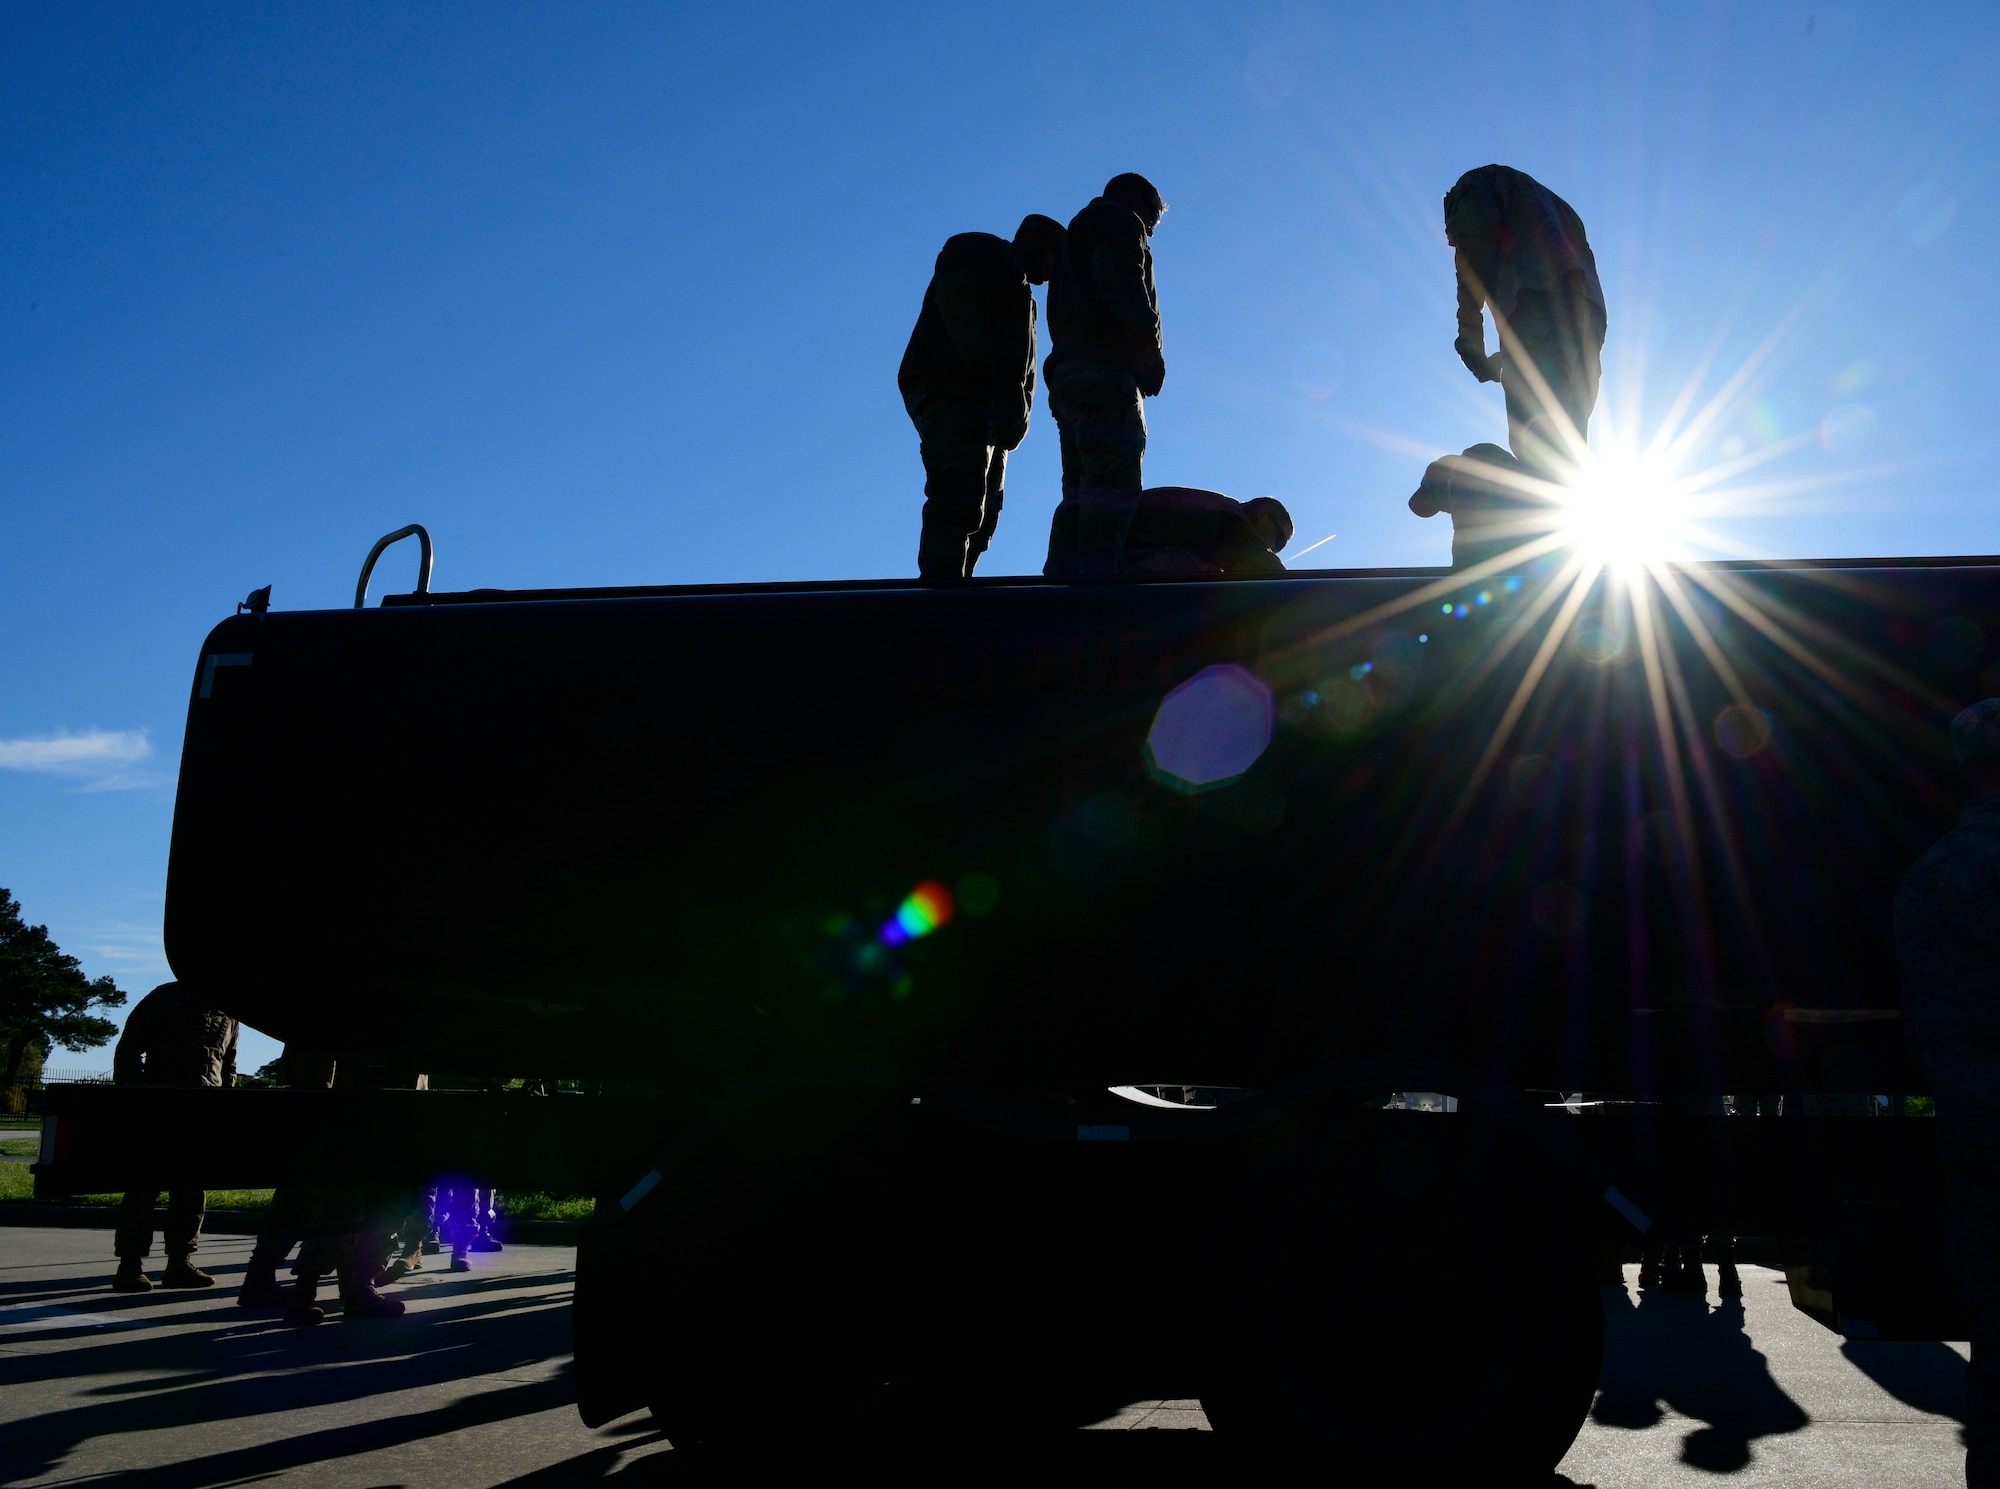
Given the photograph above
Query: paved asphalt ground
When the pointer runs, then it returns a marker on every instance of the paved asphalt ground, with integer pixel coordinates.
(179, 1390)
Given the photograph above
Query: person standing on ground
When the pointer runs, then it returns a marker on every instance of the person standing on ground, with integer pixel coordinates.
(171, 1038)
(1106, 356)
(1948, 958)
(291, 1211)
(968, 382)
(1521, 253)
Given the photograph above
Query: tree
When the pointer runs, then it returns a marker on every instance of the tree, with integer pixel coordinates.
(45, 999)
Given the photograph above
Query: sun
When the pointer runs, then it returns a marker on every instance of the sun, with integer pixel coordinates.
(1623, 511)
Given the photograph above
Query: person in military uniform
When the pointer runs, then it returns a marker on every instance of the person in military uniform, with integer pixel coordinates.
(1105, 358)
(1948, 958)
(968, 382)
(326, 1224)
(1493, 500)
(171, 1038)
(1520, 252)
(1185, 530)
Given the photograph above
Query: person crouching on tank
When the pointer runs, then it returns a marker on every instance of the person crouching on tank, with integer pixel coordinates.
(968, 384)
(1496, 504)
(1185, 530)
(171, 1038)
(1948, 959)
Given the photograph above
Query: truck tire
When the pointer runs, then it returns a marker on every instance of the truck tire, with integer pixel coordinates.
(1413, 1303)
(765, 1277)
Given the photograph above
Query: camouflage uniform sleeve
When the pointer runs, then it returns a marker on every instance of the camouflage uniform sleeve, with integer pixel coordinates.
(1121, 267)
(992, 327)
(229, 1055)
(128, 1056)
(1471, 342)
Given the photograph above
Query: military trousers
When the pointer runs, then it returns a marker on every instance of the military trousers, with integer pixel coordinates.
(1971, 1154)
(1561, 335)
(1101, 427)
(964, 489)
(182, 1231)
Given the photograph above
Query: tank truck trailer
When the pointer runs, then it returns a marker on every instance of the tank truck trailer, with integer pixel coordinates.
(1019, 990)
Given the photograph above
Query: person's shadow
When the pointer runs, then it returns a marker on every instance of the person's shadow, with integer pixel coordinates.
(1671, 1352)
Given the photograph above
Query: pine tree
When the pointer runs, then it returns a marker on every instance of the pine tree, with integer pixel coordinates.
(45, 999)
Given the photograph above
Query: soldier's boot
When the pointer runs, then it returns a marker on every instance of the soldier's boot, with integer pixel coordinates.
(182, 1272)
(260, 1286)
(941, 555)
(301, 1305)
(1728, 1284)
(1688, 1276)
(396, 1271)
(1101, 525)
(1649, 1268)
(459, 1261)
(359, 1300)
(484, 1242)
(131, 1276)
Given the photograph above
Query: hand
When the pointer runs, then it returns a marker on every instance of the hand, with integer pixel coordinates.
(1152, 374)
(1008, 436)
(1481, 366)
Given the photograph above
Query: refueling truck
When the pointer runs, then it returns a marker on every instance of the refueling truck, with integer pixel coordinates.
(1020, 991)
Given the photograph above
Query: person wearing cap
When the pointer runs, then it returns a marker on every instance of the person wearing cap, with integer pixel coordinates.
(1520, 251)
(1106, 357)
(1185, 530)
(1947, 920)
(1496, 503)
(968, 383)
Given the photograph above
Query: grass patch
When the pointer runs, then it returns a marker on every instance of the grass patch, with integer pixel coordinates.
(20, 1147)
(17, 1185)
(539, 1206)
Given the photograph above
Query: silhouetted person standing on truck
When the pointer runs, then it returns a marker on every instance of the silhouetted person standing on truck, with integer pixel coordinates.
(1948, 955)
(968, 382)
(171, 1038)
(1106, 357)
(1521, 253)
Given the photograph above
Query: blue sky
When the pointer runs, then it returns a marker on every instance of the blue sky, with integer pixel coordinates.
(615, 294)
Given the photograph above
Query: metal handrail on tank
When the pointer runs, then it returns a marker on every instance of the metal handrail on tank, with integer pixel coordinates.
(423, 538)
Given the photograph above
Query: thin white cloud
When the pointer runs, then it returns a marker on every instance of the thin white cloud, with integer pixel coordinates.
(130, 949)
(102, 759)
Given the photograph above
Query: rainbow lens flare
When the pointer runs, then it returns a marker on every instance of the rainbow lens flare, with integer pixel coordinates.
(926, 908)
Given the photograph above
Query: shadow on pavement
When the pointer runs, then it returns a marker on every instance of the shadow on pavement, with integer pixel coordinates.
(1927, 1376)
(217, 1364)
(1100, 1459)
(1671, 1352)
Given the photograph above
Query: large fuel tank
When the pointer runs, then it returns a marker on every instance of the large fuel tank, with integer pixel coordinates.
(1623, 832)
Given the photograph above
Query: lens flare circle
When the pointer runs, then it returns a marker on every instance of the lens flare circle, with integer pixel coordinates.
(926, 908)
